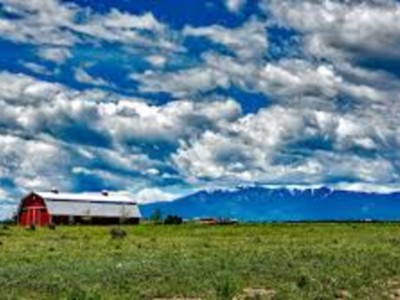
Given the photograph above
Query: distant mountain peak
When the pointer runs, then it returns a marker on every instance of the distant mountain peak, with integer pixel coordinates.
(256, 203)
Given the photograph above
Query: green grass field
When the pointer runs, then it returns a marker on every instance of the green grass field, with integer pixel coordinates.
(288, 261)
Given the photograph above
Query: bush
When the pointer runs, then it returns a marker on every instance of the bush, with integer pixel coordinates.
(173, 220)
(117, 233)
(52, 226)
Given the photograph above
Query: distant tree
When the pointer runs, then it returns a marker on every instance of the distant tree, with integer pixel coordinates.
(156, 216)
(8, 221)
(173, 220)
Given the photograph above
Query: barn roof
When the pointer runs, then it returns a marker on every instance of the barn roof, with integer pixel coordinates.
(103, 197)
(90, 204)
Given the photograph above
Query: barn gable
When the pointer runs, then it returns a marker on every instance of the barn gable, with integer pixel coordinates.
(32, 210)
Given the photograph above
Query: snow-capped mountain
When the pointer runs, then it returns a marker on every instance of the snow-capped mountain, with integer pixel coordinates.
(283, 204)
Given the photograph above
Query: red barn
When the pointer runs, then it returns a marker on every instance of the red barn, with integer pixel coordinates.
(43, 208)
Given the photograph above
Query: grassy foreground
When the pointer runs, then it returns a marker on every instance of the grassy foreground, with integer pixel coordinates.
(287, 261)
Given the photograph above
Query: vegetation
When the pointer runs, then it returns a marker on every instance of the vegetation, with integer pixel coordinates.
(156, 216)
(173, 220)
(117, 233)
(275, 261)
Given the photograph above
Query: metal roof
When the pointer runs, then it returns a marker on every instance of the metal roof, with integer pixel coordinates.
(109, 197)
(90, 204)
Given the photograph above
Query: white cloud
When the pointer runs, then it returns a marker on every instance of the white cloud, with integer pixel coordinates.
(116, 19)
(298, 82)
(84, 77)
(234, 5)
(37, 106)
(248, 41)
(33, 164)
(285, 145)
(149, 195)
(51, 134)
(299, 78)
(326, 119)
(156, 60)
(169, 123)
(40, 22)
(36, 68)
(341, 29)
(53, 23)
(184, 83)
(57, 55)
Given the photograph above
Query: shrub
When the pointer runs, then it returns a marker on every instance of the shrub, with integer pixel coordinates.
(52, 226)
(117, 233)
(173, 220)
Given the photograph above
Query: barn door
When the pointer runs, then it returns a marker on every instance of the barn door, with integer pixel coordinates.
(33, 216)
(38, 219)
(29, 216)
(37, 216)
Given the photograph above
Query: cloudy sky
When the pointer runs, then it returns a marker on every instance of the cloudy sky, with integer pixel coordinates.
(160, 98)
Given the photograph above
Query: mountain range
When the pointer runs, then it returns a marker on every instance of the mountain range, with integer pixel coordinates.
(260, 204)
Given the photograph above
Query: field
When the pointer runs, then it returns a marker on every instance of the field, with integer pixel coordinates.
(275, 261)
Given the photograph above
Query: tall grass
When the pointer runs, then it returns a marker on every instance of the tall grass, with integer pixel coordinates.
(296, 261)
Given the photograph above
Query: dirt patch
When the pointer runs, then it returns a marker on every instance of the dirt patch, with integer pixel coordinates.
(393, 289)
(342, 294)
(177, 298)
(259, 294)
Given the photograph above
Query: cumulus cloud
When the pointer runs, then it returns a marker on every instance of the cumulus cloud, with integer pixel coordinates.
(235, 5)
(57, 55)
(83, 76)
(343, 29)
(293, 78)
(130, 121)
(149, 195)
(70, 134)
(36, 68)
(248, 41)
(183, 83)
(41, 107)
(54, 23)
(38, 22)
(297, 82)
(157, 60)
(283, 145)
(327, 118)
(31, 164)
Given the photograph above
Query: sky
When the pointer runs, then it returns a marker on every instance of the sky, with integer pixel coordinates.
(161, 98)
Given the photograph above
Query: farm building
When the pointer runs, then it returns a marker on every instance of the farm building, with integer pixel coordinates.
(43, 208)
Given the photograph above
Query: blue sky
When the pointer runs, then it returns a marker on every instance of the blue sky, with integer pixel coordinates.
(160, 98)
